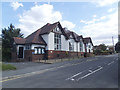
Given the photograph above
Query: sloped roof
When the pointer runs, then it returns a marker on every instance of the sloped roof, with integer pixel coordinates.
(19, 40)
(48, 28)
(75, 36)
(35, 38)
(87, 40)
(80, 37)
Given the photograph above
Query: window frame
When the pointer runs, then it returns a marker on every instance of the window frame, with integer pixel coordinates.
(57, 41)
(81, 46)
(39, 50)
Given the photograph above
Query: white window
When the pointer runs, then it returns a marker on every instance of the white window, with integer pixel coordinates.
(35, 50)
(71, 47)
(57, 41)
(43, 50)
(39, 50)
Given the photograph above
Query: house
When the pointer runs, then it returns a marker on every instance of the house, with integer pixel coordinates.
(49, 42)
(88, 45)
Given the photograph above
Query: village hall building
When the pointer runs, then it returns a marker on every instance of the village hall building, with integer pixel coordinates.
(50, 42)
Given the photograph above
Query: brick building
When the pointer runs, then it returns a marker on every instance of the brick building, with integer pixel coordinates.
(49, 42)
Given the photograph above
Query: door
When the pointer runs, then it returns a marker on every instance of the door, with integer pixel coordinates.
(20, 52)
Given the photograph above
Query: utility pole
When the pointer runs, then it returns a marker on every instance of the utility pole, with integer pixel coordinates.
(113, 44)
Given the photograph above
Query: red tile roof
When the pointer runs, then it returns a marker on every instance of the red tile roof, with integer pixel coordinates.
(35, 37)
(19, 40)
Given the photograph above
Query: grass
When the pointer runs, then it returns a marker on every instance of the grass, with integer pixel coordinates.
(7, 67)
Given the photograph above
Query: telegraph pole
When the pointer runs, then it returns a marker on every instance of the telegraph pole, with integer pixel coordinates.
(113, 44)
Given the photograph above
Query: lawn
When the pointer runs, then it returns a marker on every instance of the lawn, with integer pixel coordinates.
(7, 67)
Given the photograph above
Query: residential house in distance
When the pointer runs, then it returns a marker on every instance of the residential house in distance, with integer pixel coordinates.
(49, 42)
(88, 45)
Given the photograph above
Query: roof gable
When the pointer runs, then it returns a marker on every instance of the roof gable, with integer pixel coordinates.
(87, 40)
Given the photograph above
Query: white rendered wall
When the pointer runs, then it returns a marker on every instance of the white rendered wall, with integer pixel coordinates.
(49, 39)
(91, 47)
(45, 37)
(83, 47)
(64, 43)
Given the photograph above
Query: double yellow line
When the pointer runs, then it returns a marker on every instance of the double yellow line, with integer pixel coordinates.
(37, 72)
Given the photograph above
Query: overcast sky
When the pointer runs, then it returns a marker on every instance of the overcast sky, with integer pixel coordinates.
(98, 20)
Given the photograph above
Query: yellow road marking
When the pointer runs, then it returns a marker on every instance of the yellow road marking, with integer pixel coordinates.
(39, 72)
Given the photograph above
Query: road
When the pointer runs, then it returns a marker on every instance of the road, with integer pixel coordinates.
(92, 72)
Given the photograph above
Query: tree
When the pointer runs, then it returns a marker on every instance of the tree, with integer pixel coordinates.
(103, 47)
(7, 41)
(100, 49)
(117, 47)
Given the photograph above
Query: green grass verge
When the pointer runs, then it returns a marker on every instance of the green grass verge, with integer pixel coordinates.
(7, 67)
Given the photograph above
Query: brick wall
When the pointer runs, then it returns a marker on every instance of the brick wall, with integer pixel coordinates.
(51, 54)
(32, 57)
(28, 55)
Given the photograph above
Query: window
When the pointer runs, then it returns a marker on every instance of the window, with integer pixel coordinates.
(28, 47)
(71, 47)
(39, 50)
(81, 46)
(36, 51)
(57, 41)
(89, 46)
(57, 29)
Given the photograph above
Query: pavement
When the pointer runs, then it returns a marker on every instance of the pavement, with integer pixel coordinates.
(91, 72)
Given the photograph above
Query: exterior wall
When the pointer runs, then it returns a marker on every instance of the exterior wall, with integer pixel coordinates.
(45, 37)
(62, 54)
(29, 56)
(49, 39)
(91, 47)
(64, 43)
(83, 47)
(75, 48)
